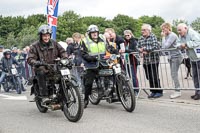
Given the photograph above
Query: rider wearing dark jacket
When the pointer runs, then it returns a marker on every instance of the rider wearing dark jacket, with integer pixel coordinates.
(45, 50)
(7, 61)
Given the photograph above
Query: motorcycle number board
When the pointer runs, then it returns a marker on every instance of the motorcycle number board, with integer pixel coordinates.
(117, 69)
(65, 72)
(14, 71)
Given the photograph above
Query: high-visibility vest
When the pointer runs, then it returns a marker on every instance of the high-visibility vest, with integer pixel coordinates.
(94, 49)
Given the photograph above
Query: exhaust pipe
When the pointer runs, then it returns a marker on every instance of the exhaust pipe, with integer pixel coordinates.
(55, 107)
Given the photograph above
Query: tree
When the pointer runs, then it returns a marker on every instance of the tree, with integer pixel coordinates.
(11, 41)
(124, 22)
(178, 21)
(27, 36)
(196, 24)
(68, 23)
(154, 21)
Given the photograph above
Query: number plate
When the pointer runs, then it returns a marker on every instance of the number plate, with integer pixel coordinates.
(117, 69)
(14, 71)
(65, 72)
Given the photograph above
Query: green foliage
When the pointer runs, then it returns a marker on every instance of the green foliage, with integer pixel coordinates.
(178, 21)
(196, 24)
(27, 36)
(68, 23)
(11, 41)
(21, 31)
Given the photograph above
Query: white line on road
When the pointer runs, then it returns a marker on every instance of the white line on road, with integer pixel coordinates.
(8, 97)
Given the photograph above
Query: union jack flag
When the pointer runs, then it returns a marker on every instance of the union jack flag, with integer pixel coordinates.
(52, 11)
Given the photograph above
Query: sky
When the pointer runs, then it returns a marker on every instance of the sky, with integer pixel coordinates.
(169, 10)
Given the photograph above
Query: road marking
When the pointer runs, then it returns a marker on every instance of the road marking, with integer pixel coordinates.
(8, 97)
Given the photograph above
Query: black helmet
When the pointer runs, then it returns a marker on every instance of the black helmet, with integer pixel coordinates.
(44, 29)
(6, 51)
(92, 28)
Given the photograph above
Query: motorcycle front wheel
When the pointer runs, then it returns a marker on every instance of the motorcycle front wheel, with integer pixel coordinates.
(73, 102)
(125, 92)
(19, 85)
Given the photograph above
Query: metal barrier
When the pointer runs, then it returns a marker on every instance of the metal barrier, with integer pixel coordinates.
(166, 82)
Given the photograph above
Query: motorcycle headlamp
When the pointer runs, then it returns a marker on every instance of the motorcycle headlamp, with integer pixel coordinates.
(64, 61)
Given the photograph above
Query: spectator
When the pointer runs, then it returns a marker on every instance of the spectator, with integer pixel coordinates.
(190, 40)
(28, 68)
(115, 38)
(21, 57)
(130, 46)
(1, 51)
(146, 45)
(69, 49)
(14, 52)
(69, 40)
(169, 40)
(74, 50)
(119, 42)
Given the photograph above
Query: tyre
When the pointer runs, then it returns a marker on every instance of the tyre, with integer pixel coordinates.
(18, 87)
(94, 97)
(38, 100)
(6, 87)
(73, 102)
(41, 108)
(125, 92)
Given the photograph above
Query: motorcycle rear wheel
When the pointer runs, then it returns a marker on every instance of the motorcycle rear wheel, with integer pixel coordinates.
(38, 100)
(41, 108)
(94, 97)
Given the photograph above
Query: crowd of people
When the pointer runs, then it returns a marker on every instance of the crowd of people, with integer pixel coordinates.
(17, 57)
(86, 49)
(147, 45)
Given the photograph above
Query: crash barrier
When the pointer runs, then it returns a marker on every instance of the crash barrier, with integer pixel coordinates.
(164, 72)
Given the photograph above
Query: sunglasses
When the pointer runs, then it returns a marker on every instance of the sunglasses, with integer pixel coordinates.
(127, 35)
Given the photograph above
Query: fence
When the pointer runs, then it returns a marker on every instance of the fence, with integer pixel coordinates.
(166, 82)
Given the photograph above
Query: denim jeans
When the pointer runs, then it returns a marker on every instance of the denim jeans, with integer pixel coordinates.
(196, 75)
(174, 66)
(3, 74)
(134, 76)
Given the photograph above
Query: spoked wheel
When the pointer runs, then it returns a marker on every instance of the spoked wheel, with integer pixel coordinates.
(6, 86)
(126, 93)
(73, 107)
(94, 97)
(19, 85)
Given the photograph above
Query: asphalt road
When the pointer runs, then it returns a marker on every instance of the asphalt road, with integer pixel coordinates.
(150, 116)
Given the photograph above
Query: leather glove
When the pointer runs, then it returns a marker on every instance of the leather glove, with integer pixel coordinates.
(5, 70)
(93, 58)
(37, 63)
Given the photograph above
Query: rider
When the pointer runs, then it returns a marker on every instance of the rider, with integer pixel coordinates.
(7, 62)
(94, 47)
(45, 50)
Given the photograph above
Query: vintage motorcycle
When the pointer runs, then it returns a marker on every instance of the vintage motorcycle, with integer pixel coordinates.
(12, 81)
(64, 91)
(112, 84)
